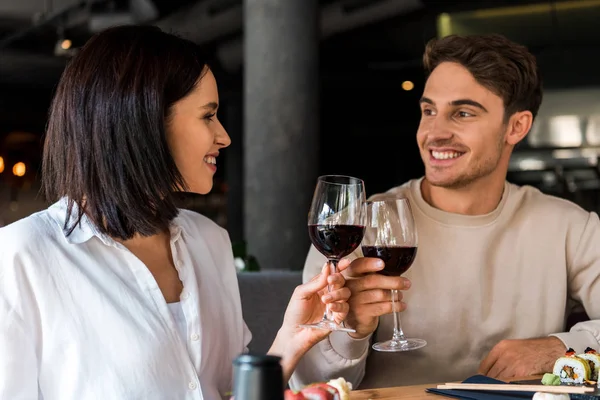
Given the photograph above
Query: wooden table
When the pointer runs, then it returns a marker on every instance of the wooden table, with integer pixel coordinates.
(416, 392)
(401, 392)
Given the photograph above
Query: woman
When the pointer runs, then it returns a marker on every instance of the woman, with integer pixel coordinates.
(112, 292)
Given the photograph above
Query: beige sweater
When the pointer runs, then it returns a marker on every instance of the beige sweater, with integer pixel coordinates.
(513, 273)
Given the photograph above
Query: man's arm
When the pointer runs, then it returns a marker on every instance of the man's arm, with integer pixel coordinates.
(584, 286)
(511, 358)
(339, 354)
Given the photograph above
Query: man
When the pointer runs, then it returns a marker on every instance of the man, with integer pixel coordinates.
(499, 266)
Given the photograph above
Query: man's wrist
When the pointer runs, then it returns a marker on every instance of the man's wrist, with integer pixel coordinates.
(359, 335)
(577, 340)
(347, 347)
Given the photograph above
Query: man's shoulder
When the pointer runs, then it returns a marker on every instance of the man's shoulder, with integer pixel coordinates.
(534, 199)
(403, 190)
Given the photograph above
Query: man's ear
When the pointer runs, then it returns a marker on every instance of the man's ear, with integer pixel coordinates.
(519, 125)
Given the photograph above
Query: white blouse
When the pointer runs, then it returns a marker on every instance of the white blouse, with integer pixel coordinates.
(176, 310)
(82, 318)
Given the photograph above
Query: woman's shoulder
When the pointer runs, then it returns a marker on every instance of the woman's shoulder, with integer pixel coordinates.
(200, 226)
(30, 232)
(197, 222)
(204, 237)
(26, 246)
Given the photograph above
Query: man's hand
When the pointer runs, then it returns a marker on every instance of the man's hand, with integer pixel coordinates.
(371, 295)
(522, 357)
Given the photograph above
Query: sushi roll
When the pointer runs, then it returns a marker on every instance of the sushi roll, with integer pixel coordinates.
(593, 359)
(343, 387)
(572, 369)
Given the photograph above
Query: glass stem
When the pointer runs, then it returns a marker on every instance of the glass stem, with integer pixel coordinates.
(328, 316)
(398, 336)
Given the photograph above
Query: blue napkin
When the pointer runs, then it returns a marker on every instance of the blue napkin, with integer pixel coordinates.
(481, 395)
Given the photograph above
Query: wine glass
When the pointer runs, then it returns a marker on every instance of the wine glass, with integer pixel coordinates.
(391, 235)
(336, 226)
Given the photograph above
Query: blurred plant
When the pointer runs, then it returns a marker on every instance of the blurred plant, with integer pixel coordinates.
(243, 261)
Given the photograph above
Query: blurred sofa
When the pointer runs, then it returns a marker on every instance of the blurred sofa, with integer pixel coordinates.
(265, 296)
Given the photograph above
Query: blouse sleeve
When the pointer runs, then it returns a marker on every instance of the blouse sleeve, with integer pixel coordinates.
(18, 365)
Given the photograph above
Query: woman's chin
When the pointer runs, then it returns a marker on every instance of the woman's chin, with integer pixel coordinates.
(200, 188)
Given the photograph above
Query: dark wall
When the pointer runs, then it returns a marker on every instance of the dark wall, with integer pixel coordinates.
(367, 121)
(368, 128)
(23, 108)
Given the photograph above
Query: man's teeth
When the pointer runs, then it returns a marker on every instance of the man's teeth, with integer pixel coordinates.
(210, 160)
(445, 155)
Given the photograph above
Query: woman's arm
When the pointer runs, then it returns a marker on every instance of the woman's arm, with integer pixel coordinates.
(18, 366)
(307, 306)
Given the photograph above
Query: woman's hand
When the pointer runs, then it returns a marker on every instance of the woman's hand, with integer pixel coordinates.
(307, 306)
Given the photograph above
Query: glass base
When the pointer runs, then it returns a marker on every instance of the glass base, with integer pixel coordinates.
(399, 345)
(328, 326)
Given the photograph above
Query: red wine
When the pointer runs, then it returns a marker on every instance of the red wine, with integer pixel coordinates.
(336, 241)
(397, 259)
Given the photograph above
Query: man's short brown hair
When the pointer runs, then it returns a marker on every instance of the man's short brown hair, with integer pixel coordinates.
(506, 68)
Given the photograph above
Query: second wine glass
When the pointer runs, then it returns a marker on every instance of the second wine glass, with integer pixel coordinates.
(391, 235)
(336, 225)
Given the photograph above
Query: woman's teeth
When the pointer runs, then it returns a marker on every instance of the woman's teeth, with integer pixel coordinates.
(210, 160)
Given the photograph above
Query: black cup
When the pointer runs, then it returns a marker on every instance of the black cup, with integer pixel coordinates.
(257, 377)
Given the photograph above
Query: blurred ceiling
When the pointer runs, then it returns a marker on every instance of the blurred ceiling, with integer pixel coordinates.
(379, 40)
(361, 34)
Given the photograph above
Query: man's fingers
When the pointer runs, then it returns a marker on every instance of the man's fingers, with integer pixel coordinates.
(488, 362)
(497, 370)
(377, 281)
(378, 309)
(373, 296)
(363, 265)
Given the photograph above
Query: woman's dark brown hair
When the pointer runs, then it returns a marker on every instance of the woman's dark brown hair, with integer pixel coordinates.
(504, 67)
(106, 149)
